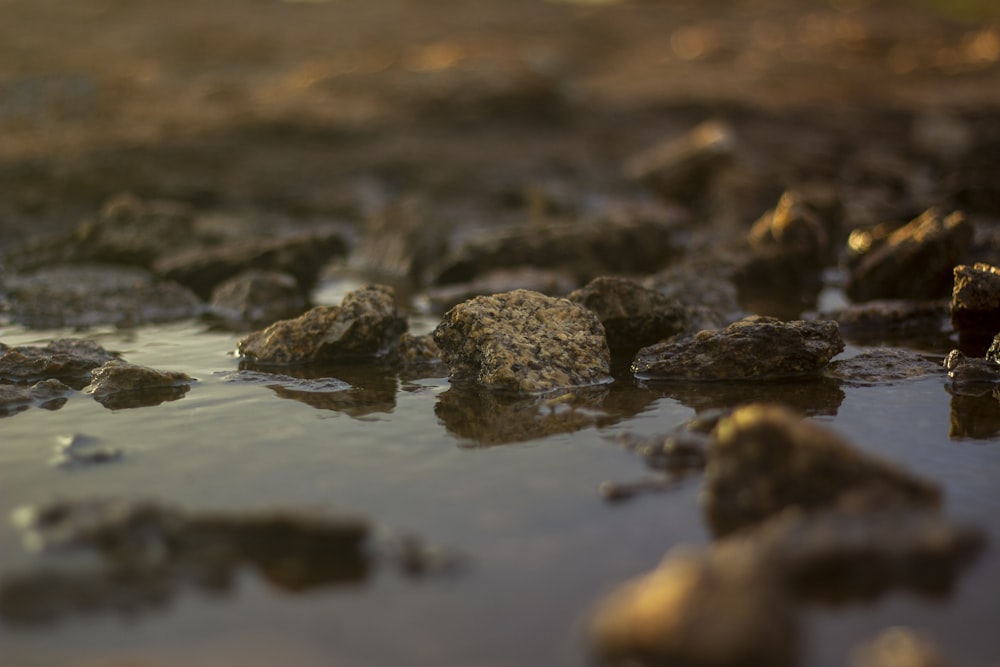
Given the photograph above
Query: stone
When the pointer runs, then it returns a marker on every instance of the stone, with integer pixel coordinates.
(554, 283)
(885, 321)
(257, 298)
(635, 316)
(47, 394)
(302, 255)
(755, 347)
(764, 458)
(975, 300)
(367, 324)
(69, 360)
(705, 608)
(119, 384)
(971, 376)
(882, 366)
(524, 342)
(899, 647)
(915, 262)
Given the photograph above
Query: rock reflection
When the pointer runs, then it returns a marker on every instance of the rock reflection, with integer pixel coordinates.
(810, 396)
(975, 417)
(142, 399)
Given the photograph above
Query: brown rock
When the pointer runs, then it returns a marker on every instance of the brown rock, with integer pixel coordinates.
(975, 300)
(119, 384)
(881, 366)
(67, 359)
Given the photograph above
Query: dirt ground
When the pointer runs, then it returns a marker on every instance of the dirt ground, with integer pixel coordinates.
(274, 112)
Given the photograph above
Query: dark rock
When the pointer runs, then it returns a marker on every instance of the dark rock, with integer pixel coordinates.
(552, 283)
(367, 323)
(583, 249)
(256, 299)
(884, 322)
(756, 347)
(119, 384)
(899, 647)
(881, 366)
(711, 609)
(971, 376)
(47, 394)
(915, 262)
(92, 295)
(634, 316)
(524, 342)
(301, 255)
(763, 459)
(975, 300)
(69, 360)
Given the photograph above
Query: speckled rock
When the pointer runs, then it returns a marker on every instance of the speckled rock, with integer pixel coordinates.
(752, 348)
(417, 350)
(634, 316)
(47, 394)
(915, 262)
(524, 342)
(256, 299)
(710, 609)
(882, 366)
(367, 323)
(887, 321)
(764, 458)
(899, 647)
(119, 384)
(975, 300)
(69, 360)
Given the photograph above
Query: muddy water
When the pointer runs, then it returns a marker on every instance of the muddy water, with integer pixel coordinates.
(537, 544)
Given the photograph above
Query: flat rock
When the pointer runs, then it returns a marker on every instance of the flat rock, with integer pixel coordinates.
(119, 384)
(915, 262)
(882, 366)
(975, 299)
(634, 316)
(753, 348)
(367, 324)
(69, 360)
(47, 394)
(524, 342)
(257, 298)
(764, 458)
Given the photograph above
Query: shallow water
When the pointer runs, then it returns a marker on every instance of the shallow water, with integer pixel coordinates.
(538, 546)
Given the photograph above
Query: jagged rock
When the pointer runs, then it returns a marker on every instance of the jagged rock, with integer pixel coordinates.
(892, 321)
(711, 609)
(367, 323)
(972, 376)
(881, 366)
(47, 394)
(553, 283)
(915, 262)
(764, 458)
(525, 342)
(899, 647)
(583, 249)
(975, 300)
(257, 298)
(92, 295)
(302, 255)
(634, 316)
(119, 384)
(755, 347)
(69, 360)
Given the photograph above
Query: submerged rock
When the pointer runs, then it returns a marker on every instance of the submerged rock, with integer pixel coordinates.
(755, 347)
(119, 384)
(915, 262)
(882, 366)
(524, 342)
(367, 323)
(634, 316)
(69, 360)
(975, 301)
(47, 394)
(764, 458)
(256, 299)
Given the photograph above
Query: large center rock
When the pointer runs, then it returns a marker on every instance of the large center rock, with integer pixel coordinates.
(525, 342)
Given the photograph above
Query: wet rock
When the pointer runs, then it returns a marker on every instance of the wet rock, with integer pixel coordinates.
(756, 347)
(899, 647)
(712, 609)
(765, 458)
(80, 450)
(553, 283)
(975, 301)
(524, 342)
(881, 366)
(301, 255)
(417, 350)
(971, 376)
(69, 360)
(634, 316)
(92, 295)
(256, 299)
(367, 323)
(118, 384)
(583, 249)
(684, 168)
(915, 262)
(882, 322)
(47, 394)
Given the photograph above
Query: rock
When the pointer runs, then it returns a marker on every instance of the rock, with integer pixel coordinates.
(583, 249)
(552, 283)
(119, 384)
(763, 459)
(256, 299)
(684, 168)
(93, 295)
(711, 609)
(47, 394)
(882, 322)
(634, 316)
(366, 324)
(700, 284)
(881, 366)
(756, 347)
(899, 647)
(975, 301)
(524, 342)
(971, 376)
(417, 350)
(69, 360)
(301, 255)
(915, 262)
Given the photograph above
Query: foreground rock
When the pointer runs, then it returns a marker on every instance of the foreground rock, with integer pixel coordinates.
(882, 366)
(752, 348)
(119, 384)
(68, 360)
(634, 316)
(366, 324)
(975, 301)
(524, 342)
(914, 262)
(764, 459)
